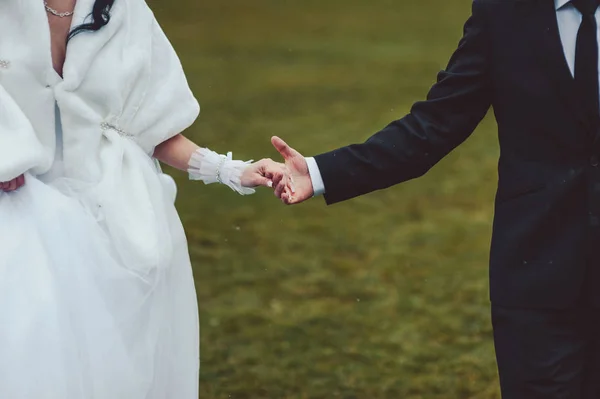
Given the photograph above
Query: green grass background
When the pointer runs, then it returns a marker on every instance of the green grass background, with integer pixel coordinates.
(384, 296)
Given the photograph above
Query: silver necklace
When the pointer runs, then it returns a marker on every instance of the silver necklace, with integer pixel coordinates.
(54, 12)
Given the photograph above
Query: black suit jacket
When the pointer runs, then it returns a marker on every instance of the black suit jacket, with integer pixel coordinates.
(548, 200)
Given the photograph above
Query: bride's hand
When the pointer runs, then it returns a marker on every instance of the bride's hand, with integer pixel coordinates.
(267, 173)
(13, 184)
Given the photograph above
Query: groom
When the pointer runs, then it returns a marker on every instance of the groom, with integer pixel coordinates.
(536, 63)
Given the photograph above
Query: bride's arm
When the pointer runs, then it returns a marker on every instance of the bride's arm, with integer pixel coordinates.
(176, 152)
(169, 106)
(203, 164)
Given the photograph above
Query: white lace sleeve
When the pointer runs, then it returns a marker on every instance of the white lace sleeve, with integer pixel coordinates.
(210, 167)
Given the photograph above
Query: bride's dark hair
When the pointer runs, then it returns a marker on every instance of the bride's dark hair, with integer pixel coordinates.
(100, 17)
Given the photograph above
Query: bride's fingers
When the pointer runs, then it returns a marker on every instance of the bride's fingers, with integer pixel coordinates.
(287, 198)
(286, 181)
(280, 189)
(278, 177)
(259, 180)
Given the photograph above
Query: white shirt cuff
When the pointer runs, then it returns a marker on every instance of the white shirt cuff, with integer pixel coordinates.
(315, 177)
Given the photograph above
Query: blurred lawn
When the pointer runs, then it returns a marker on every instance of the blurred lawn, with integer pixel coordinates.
(384, 296)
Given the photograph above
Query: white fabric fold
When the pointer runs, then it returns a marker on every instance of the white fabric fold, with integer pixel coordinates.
(131, 201)
(210, 167)
(79, 322)
(20, 149)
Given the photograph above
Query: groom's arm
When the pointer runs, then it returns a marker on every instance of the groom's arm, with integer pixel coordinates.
(409, 147)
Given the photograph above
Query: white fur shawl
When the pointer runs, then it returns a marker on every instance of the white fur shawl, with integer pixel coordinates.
(125, 76)
(123, 92)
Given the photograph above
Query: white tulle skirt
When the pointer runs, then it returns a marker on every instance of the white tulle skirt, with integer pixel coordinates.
(77, 323)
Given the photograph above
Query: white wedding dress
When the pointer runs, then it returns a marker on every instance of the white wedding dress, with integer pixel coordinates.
(81, 315)
(97, 297)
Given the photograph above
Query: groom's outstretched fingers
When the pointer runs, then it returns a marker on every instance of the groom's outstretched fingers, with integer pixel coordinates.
(287, 152)
(284, 149)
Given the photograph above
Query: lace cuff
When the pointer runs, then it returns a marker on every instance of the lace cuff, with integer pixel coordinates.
(210, 167)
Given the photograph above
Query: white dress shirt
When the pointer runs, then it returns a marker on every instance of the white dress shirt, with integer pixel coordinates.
(568, 19)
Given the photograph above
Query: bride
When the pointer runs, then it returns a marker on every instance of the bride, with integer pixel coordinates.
(97, 298)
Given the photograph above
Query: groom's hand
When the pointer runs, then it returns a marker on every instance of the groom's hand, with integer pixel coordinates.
(301, 186)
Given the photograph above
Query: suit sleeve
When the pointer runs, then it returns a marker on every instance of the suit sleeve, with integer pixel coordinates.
(409, 147)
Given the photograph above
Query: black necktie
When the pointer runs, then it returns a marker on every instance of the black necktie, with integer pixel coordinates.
(586, 58)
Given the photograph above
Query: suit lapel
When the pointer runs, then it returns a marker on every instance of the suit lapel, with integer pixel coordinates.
(541, 23)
